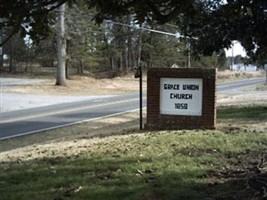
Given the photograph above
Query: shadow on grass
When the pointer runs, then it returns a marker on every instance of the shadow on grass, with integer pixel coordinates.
(120, 178)
(115, 177)
(98, 178)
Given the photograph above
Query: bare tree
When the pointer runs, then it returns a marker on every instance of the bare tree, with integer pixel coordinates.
(61, 47)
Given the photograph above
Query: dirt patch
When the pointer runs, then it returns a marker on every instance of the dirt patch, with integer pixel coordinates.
(80, 86)
(244, 98)
(227, 75)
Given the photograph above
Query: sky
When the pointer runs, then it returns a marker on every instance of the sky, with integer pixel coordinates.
(237, 49)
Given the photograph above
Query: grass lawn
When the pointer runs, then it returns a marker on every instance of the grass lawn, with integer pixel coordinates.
(201, 164)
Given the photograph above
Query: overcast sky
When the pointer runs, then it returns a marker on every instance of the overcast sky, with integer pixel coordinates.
(237, 50)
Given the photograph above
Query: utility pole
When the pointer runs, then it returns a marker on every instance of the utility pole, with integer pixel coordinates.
(265, 67)
(189, 55)
(232, 60)
(1, 59)
(140, 74)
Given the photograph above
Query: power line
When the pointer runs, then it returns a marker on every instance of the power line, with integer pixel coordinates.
(143, 28)
(177, 35)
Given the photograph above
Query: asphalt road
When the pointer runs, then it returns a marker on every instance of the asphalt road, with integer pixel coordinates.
(28, 121)
(238, 84)
(18, 81)
(34, 120)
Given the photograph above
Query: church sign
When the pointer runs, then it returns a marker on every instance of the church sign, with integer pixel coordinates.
(181, 98)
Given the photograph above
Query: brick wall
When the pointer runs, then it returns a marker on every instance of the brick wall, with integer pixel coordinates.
(158, 121)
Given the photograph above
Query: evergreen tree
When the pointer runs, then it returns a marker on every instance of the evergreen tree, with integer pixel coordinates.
(84, 37)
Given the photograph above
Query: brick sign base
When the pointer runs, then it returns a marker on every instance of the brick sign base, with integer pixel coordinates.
(159, 120)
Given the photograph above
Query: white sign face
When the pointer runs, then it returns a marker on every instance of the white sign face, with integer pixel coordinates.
(181, 96)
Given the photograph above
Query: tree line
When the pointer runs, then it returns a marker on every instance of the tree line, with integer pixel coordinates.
(116, 46)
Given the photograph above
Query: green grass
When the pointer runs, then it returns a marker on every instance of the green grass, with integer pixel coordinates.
(146, 166)
(243, 112)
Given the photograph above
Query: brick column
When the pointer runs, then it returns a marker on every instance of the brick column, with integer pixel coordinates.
(156, 120)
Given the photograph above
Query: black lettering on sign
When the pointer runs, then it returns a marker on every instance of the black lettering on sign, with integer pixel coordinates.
(190, 87)
(181, 106)
(181, 96)
(171, 87)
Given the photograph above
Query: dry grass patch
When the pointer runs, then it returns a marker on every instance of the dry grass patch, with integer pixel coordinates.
(80, 86)
(87, 86)
(228, 75)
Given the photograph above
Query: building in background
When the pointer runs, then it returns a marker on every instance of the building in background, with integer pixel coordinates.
(243, 68)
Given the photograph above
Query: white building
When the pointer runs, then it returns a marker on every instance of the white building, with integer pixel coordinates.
(243, 68)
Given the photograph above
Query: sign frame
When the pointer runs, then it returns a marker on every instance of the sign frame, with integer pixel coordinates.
(158, 120)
